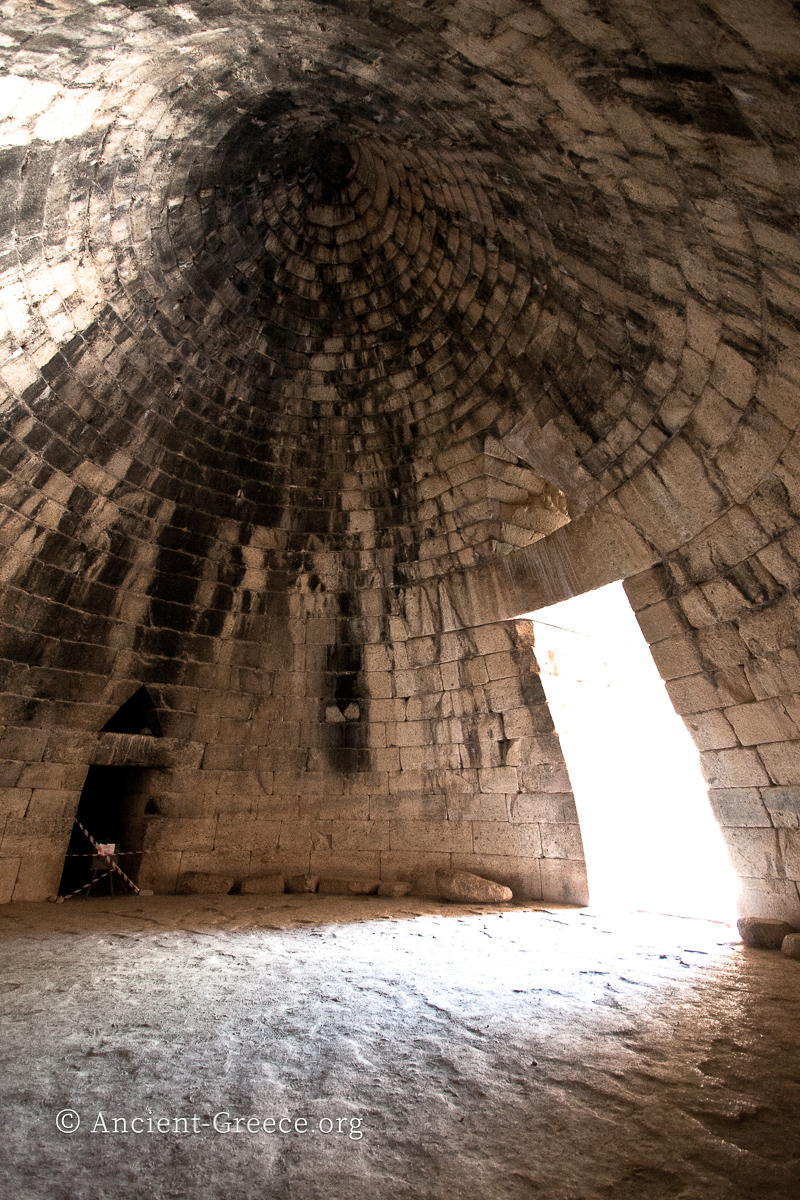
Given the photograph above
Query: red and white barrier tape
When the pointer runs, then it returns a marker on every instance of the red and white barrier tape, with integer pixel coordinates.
(112, 865)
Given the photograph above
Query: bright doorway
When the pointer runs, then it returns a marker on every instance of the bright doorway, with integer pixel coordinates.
(650, 838)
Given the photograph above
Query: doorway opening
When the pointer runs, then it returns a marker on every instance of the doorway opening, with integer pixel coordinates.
(650, 838)
(112, 808)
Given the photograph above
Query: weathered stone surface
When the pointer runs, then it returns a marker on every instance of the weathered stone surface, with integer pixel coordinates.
(201, 883)
(402, 995)
(263, 885)
(394, 888)
(302, 883)
(790, 946)
(463, 887)
(349, 887)
(764, 933)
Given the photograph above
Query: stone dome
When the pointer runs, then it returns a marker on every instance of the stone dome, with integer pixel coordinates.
(338, 336)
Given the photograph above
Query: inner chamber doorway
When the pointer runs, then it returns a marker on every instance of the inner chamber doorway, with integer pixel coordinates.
(650, 838)
(112, 808)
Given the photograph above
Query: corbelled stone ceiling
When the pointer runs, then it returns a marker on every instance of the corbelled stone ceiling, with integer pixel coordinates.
(339, 335)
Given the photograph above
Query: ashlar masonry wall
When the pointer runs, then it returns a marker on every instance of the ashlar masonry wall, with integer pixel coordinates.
(449, 760)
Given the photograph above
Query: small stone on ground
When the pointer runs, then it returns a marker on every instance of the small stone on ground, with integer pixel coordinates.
(302, 883)
(791, 945)
(763, 933)
(394, 888)
(465, 888)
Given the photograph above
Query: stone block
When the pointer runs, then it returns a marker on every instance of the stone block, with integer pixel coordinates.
(694, 693)
(366, 783)
(51, 776)
(783, 806)
(522, 875)
(646, 588)
(526, 721)
(340, 808)
(491, 639)
(348, 887)
(545, 777)
(764, 933)
(782, 760)
(35, 837)
(501, 666)
(498, 779)
(394, 888)
(769, 897)
(39, 875)
(408, 806)
(775, 676)
(561, 841)
(418, 867)
(45, 803)
(204, 883)
(302, 883)
(14, 802)
(160, 872)
(244, 783)
(10, 773)
(739, 807)
(555, 808)
(445, 836)
(246, 832)
(296, 838)
(476, 806)
(504, 694)
(23, 743)
(771, 629)
(789, 845)
(790, 946)
(764, 721)
(462, 887)
(660, 621)
(9, 869)
(733, 769)
(676, 657)
(754, 852)
(710, 730)
(564, 880)
(194, 835)
(263, 885)
(359, 835)
(499, 837)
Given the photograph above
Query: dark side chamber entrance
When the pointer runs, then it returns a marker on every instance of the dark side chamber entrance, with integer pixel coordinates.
(109, 809)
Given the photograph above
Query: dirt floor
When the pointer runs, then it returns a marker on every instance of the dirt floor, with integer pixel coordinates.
(399, 1049)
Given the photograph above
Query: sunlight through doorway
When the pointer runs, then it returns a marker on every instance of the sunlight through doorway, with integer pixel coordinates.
(650, 838)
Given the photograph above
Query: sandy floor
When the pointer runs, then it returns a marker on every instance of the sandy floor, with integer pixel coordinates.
(484, 1054)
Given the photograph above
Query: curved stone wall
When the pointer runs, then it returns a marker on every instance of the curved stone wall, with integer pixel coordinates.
(338, 336)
